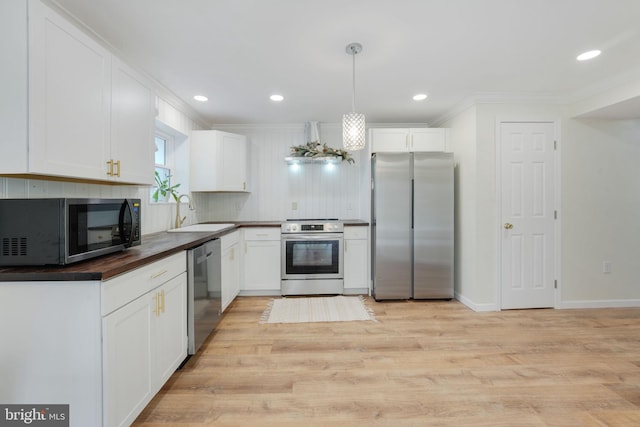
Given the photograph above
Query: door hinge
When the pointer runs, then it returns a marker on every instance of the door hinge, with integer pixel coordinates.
(555, 214)
(555, 284)
(555, 145)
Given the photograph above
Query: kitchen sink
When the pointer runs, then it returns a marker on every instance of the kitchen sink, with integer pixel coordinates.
(195, 228)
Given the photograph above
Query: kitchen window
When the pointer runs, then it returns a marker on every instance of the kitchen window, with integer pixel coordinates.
(163, 159)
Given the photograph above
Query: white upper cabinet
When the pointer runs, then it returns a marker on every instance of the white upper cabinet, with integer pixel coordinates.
(132, 125)
(218, 161)
(69, 98)
(86, 114)
(408, 139)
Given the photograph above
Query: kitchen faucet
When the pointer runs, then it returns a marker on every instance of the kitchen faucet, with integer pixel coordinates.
(179, 220)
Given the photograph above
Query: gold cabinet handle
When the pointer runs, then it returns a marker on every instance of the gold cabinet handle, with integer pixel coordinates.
(508, 226)
(110, 171)
(156, 310)
(158, 274)
(118, 165)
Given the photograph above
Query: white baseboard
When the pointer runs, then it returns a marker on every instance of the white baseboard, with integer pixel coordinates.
(356, 291)
(474, 306)
(261, 293)
(599, 303)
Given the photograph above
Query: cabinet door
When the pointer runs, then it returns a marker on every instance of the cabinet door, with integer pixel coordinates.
(230, 275)
(428, 139)
(234, 164)
(14, 85)
(170, 334)
(69, 98)
(355, 264)
(389, 140)
(132, 126)
(261, 265)
(127, 350)
(218, 161)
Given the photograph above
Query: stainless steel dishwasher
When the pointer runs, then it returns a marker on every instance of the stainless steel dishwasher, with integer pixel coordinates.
(204, 294)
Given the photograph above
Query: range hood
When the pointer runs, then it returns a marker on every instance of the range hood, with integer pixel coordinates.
(312, 136)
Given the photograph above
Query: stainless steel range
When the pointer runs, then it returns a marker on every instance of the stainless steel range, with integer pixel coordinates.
(312, 256)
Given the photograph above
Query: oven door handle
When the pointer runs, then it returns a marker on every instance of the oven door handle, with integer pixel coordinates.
(319, 236)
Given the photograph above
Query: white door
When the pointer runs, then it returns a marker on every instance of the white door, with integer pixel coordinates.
(527, 198)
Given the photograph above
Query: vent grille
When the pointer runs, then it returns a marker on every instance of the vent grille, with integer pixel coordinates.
(14, 246)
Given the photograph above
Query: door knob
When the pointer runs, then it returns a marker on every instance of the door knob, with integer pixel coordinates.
(508, 226)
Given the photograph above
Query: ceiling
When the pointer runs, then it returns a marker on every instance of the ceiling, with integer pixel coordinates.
(238, 52)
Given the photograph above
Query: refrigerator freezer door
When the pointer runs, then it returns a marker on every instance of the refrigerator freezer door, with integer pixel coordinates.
(391, 198)
(433, 225)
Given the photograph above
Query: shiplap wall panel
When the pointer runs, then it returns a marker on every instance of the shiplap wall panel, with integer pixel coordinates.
(319, 191)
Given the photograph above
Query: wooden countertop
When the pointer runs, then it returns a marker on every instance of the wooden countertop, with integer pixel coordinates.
(154, 246)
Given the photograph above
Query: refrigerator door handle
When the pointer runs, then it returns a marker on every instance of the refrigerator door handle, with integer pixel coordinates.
(412, 203)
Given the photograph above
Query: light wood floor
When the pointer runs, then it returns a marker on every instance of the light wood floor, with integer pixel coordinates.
(422, 364)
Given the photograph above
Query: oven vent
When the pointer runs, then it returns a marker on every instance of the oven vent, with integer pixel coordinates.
(14, 246)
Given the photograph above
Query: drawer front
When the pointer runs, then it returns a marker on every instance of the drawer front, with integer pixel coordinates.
(356, 232)
(270, 233)
(229, 240)
(125, 288)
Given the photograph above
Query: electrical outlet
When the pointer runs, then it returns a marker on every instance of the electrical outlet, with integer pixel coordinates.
(294, 206)
(606, 267)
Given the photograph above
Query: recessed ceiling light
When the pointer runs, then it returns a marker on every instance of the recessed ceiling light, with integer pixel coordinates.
(420, 97)
(200, 98)
(588, 55)
(276, 97)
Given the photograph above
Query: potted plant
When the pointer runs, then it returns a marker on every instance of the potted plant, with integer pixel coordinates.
(163, 189)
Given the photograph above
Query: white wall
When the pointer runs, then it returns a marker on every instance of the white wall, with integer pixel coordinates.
(319, 191)
(463, 145)
(600, 211)
(599, 184)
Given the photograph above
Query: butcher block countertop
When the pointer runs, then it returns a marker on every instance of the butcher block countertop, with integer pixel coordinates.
(154, 247)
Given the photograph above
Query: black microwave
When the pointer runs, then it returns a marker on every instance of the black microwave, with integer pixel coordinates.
(63, 231)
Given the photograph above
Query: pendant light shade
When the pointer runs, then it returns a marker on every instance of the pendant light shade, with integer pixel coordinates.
(353, 131)
(353, 123)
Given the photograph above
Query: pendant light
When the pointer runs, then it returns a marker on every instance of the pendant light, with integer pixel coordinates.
(353, 123)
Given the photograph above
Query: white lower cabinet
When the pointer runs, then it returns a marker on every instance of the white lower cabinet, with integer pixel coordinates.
(356, 260)
(103, 347)
(144, 341)
(261, 260)
(128, 383)
(230, 267)
(143, 345)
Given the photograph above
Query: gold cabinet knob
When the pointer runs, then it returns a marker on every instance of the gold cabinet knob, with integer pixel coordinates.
(508, 226)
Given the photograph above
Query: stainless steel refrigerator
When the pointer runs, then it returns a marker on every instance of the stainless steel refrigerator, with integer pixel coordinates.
(413, 225)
